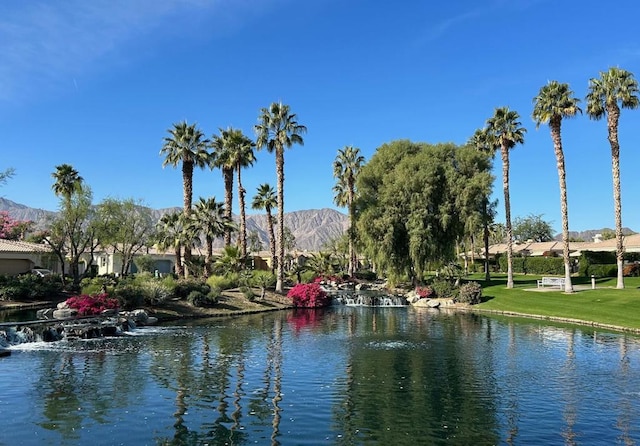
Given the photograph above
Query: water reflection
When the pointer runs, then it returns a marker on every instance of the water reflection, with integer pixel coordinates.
(341, 376)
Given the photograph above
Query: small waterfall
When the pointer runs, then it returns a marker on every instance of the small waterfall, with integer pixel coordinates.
(367, 299)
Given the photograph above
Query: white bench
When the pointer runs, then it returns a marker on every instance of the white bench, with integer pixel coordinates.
(551, 281)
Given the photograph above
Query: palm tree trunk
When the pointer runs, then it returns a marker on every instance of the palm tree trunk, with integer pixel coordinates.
(352, 213)
(209, 255)
(242, 236)
(227, 176)
(507, 214)
(280, 240)
(187, 178)
(178, 268)
(272, 240)
(612, 126)
(555, 126)
(485, 236)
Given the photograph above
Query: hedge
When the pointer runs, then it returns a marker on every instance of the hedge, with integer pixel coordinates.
(534, 265)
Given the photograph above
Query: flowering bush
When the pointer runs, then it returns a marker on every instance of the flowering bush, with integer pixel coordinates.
(425, 292)
(308, 295)
(90, 305)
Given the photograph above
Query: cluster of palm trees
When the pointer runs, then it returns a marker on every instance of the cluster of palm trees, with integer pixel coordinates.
(613, 90)
(230, 151)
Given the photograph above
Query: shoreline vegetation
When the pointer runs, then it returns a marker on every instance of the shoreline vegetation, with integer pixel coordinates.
(604, 307)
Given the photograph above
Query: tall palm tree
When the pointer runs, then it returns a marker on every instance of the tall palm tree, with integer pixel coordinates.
(614, 89)
(170, 236)
(241, 155)
(265, 199)
(222, 159)
(210, 220)
(186, 145)
(482, 141)
(554, 102)
(503, 132)
(278, 129)
(346, 168)
(67, 181)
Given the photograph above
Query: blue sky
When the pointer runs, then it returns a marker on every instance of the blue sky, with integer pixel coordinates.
(96, 84)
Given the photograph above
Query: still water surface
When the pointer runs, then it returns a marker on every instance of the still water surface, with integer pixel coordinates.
(342, 376)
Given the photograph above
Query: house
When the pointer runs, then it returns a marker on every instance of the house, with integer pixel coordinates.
(18, 257)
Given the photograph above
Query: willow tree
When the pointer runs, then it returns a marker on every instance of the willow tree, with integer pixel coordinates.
(554, 102)
(277, 130)
(614, 89)
(346, 168)
(503, 132)
(411, 205)
(186, 146)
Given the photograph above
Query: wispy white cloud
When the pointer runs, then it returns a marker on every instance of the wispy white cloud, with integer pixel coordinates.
(44, 43)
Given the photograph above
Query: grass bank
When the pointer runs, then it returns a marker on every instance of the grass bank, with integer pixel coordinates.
(604, 306)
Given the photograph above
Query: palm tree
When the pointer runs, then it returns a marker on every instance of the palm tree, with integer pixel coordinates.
(279, 129)
(614, 89)
(554, 102)
(503, 132)
(210, 220)
(67, 181)
(186, 145)
(265, 199)
(170, 235)
(241, 155)
(346, 168)
(222, 158)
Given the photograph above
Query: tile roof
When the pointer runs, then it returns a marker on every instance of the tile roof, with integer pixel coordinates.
(25, 247)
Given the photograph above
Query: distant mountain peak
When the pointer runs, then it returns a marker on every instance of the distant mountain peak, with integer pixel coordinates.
(312, 228)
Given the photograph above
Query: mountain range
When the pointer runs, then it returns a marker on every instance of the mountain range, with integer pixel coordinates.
(312, 228)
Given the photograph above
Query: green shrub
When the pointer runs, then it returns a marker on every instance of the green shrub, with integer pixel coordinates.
(185, 286)
(248, 293)
(97, 285)
(602, 270)
(30, 287)
(129, 295)
(534, 265)
(225, 282)
(307, 276)
(155, 292)
(365, 275)
(444, 289)
(470, 293)
(198, 299)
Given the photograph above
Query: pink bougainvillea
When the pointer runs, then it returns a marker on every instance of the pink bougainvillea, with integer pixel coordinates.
(90, 305)
(425, 292)
(308, 295)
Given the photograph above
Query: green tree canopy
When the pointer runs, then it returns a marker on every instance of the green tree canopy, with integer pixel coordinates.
(413, 199)
(532, 227)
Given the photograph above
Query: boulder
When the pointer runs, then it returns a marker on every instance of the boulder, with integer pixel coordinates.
(65, 313)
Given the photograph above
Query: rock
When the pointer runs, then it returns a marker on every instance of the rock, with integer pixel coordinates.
(433, 303)
(4, 352)
(46, 313)
(62, 305)
(424, 303)
(65, 313)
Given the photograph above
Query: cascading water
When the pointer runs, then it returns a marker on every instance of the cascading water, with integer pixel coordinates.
(367, 298)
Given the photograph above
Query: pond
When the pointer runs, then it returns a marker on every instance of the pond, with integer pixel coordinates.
(341, 376)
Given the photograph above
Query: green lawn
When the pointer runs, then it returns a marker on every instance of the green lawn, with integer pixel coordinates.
(604, 305)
